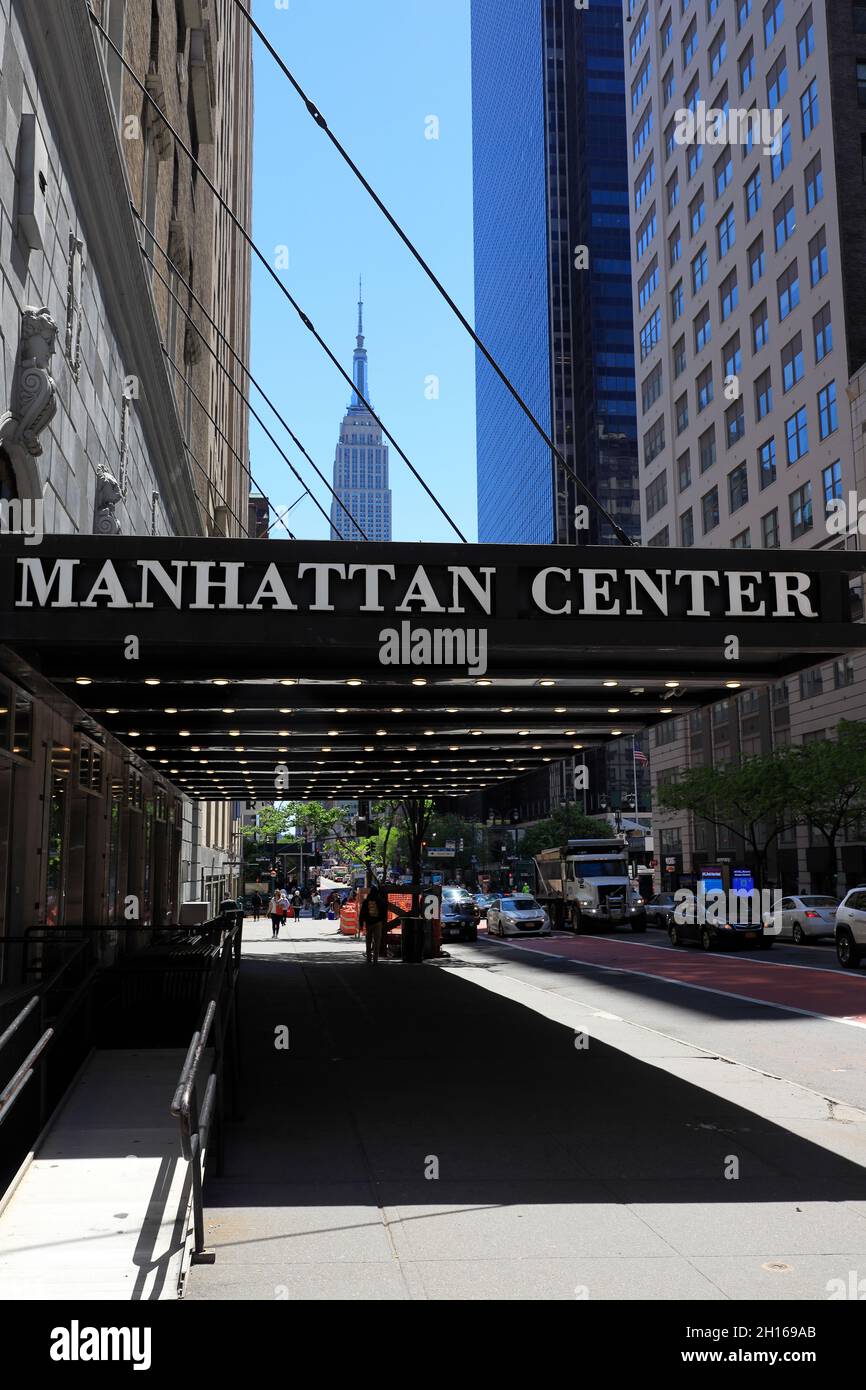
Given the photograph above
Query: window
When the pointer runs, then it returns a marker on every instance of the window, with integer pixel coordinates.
(726, 233)
(800, 503)
(723, 172)
(732, 357)
(753, 195)
(687, 528)
(809, 109)
(677, 301)
(673, 192)
(814, 182)
(645, 181)
(822, 328)
(781, 148)
(788, 290)
(707, 448)
(811, 683)
(666, 32)
(797, 435)
(651, 388)
(660, 538)
(827, 418)
(675, 246)
(702, 328)
(690, 43)
(843, 672)
(656, 495)
(645, 232)
(696, 159)
(648, 283)
(654, 441)
(744, 9)
(743, 541)
(735, 422)
(774, 13)
(770, 530)
(696, 213)
(818, 260)
(763, 395)
(650, 334)
(729, 295)
(699, 270)
(704, 387)
(640, 32)
(679, 357)
(861, 84)
(643, 131)
(668, 85)
(684, 471)
(746, 66)
(738, 487)
(710, 510)
(805, 38)
(792, 363)
(777, 80)
(767, 463)
(682, 413)
(784, 219)
(756, 261)
(832, 479)
(718, 52)
(640, 84)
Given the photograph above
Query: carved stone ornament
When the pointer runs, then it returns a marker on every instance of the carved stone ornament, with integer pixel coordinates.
(34, 394)
(108, 494)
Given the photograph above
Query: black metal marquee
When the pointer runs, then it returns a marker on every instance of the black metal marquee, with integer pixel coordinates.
(358, 669)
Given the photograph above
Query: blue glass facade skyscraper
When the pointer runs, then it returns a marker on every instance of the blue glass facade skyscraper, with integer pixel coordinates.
(361, 462)
(551, 176)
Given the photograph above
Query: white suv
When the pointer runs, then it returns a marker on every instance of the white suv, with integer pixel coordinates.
(851, 928)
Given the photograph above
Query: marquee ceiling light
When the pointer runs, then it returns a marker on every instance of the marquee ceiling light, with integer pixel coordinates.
(672, 685)
(183, 733)
(353, 680)
(397, 709)
(614, 709)
(113, 710)
(150, 748)
(234, 733)
(419, 680)
(560, 709)
(547, 681)
(239, 748)
(284, 733)
(219, 680)
(151, 680)
(134, 733)
(288, 680)
(484, 681)
(507, 709)
(369, 748)
(615, 732)
(732, 685)
(536, 746)
(577, 745)
(666, 709)
(83, 680)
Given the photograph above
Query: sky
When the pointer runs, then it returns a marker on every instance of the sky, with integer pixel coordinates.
(378, 70)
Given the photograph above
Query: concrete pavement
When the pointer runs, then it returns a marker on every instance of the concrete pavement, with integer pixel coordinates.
(455, 1131)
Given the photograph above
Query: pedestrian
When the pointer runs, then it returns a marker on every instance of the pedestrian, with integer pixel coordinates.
(372, 918)
(317, 905)
(257, 906)
(277, 911)
(296, 905)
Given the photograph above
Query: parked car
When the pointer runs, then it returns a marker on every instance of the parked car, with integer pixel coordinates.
(518, 915)
(482, 902)
(851, 928)
(660, 910)
(459, 914)
(805, 918)
(712, 936)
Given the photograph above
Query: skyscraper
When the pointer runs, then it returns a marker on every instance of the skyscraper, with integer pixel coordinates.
(551, 177)
(361, 462)
(750, 304)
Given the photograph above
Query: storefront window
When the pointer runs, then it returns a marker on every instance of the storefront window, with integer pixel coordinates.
(59, 770)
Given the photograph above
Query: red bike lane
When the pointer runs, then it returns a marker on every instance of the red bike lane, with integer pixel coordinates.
(801, 988)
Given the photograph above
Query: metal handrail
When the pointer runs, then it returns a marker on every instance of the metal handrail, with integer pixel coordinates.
(219, 1018)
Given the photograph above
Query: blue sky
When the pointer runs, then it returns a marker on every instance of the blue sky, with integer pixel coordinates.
(377, 69)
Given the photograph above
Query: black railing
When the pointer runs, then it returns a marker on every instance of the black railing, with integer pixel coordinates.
(202, 1121)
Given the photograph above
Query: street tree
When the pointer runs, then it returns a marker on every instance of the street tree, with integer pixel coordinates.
(566, 823)
(828, 781)
(751, 800)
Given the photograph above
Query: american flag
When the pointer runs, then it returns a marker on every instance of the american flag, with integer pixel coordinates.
(640, 758)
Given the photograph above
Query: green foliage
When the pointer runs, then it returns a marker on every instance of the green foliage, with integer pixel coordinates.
(568, 823)
(828, 779)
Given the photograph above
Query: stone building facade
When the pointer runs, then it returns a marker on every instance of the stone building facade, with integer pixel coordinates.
(99, 433)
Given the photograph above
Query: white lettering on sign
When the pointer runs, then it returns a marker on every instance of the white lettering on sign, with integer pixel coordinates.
(335, 587)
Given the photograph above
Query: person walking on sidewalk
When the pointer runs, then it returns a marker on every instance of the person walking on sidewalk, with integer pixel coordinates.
(296, 905)
(372, 919)
(277, 911)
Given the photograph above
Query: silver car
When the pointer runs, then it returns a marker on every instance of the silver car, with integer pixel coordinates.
(518, 915)
(806, 917)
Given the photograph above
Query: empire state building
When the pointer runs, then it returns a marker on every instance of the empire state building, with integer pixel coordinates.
(361, 462)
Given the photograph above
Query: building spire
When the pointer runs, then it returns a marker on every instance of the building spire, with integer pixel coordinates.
(359, 365)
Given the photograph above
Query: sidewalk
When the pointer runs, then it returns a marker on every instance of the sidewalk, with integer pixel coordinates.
(563, 1172)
